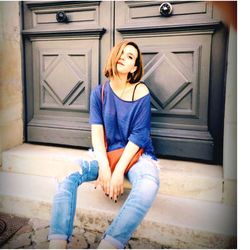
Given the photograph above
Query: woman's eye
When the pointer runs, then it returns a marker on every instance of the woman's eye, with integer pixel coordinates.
(130, 57)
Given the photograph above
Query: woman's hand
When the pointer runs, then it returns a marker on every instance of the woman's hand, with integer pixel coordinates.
(116, 184)
(104, 177)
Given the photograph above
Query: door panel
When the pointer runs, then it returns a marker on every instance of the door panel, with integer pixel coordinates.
(146, 14)
(173, 73)
(42, 15)
(67, 68)
(64, 74)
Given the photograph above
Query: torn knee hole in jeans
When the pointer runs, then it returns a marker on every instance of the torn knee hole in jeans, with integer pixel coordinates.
(63, 176)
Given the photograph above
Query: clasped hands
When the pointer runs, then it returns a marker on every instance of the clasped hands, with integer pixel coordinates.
(112, 184)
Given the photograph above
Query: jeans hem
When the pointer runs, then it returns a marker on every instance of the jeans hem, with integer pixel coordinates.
(59, 237)
(114, 242)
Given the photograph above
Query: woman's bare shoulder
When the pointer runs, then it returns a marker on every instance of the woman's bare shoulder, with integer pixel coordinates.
(141, 91)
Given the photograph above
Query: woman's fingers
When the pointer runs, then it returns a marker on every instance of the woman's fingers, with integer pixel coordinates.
(111, 191)
(107, 188)
(104, 179)
(115, 192)
(122, 190)
(104, 185)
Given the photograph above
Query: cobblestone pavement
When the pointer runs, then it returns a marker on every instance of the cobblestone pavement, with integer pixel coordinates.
(34, 234)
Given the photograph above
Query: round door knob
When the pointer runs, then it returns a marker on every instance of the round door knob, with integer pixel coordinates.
(61, 17)
(166, 9)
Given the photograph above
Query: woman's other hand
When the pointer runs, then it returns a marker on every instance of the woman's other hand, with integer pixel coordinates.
(103, 179)
(116, 184)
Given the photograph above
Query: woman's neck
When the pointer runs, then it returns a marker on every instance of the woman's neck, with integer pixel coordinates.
(121, 87)
(119, 82)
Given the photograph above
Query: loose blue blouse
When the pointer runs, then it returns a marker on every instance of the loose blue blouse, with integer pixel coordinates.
(123, 120)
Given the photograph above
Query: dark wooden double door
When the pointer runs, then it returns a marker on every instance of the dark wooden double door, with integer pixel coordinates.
(184, 57)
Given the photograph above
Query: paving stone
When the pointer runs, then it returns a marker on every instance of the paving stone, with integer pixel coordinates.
(38, 223)
(91, 237)
(78, 242)
(40, 236)
(144, 244)
(30, 247)
(94, 238)
(25, 229)
(94, 245)
(18, 241)
(78, 230)
(42, 245)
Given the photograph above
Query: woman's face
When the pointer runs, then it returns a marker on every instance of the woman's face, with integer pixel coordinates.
(126, 62)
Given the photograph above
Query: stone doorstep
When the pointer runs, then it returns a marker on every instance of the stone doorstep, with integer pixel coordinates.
(172, 221)
(178, 178)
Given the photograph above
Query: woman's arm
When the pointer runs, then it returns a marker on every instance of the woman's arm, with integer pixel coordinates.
(97, 135)
(128, 153)
(117, 179)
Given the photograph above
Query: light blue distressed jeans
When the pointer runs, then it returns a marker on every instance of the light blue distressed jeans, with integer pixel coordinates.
(144, 177)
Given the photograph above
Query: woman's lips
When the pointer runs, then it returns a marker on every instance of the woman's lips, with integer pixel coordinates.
(120, 63)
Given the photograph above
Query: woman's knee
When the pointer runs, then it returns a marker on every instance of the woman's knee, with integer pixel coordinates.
(68, 184)
(149, 184)
(87, 171)
(152, 174)
(145, 169)
(146, 187)
(144, 192)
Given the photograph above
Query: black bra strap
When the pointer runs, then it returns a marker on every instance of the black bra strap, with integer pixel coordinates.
(135, 89)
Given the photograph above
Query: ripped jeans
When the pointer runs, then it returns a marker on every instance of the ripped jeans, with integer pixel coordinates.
(144, 177)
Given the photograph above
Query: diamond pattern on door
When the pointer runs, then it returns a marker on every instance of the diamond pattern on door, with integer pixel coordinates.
(170, 81)
(64, 80)
(170, 76)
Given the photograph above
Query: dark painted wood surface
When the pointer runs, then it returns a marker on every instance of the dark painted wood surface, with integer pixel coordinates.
(184, 58)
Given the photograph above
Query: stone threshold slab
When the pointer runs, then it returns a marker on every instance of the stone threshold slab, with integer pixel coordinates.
(178, 178)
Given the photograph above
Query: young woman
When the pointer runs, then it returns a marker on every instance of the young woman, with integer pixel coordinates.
(120, 115)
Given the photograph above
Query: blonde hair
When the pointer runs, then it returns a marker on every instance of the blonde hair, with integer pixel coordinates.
(115, 54)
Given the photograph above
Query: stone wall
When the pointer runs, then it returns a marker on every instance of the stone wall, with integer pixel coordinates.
(11, 90)
(230, 123)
